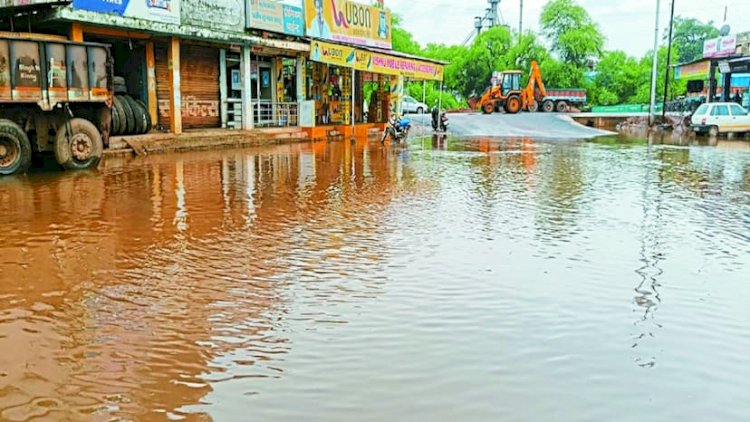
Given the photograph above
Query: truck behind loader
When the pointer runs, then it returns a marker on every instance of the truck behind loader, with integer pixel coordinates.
(506, 93)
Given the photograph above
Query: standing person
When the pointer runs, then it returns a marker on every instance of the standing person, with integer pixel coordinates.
(319, 27)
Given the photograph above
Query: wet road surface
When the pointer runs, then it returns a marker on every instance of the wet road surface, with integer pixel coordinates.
(487, 279)
(535, 125)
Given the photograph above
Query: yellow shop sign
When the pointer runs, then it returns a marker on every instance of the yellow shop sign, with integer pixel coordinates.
(348, 22)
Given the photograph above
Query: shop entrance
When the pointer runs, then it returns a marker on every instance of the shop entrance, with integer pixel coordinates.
(273, 85)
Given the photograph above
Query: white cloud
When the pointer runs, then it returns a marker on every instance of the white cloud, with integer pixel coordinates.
(627, 24)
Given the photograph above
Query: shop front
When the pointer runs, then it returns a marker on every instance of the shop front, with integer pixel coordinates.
(352, 90)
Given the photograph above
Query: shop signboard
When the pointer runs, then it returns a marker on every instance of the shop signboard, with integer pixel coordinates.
(214, 14)
(165, 11)
(275, 16)
(349, 22)
(384, 64)
(409, 68)
(337, 55)
(720, 47)
(367, 61)
(697, 70)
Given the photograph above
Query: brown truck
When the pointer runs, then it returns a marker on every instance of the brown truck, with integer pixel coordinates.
(55, 97)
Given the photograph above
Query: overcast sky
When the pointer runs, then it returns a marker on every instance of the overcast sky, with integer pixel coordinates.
(627, 24)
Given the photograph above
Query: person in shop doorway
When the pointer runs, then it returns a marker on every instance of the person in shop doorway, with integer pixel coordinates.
(319, 27)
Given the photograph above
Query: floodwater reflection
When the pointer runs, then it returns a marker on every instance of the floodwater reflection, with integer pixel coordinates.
(488, 278)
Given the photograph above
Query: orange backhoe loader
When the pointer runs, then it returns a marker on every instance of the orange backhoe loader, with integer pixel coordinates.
(505, 92)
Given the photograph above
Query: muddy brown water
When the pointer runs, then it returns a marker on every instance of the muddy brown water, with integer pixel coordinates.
(484, 279)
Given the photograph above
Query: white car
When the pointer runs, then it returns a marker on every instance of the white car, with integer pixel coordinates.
(715, 118)
(410, 105)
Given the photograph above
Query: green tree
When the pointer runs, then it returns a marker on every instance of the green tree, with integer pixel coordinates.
(688, 35)
(401, 39)
(573, 34)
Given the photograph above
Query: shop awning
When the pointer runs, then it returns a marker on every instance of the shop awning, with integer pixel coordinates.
(376, 61)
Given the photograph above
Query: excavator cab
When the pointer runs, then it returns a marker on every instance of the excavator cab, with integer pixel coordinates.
(510, 82)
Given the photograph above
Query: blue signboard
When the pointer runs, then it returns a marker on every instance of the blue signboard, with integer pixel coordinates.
(167, 11)
(272, 15)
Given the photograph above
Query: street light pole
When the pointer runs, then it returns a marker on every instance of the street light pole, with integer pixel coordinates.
(652, 103)
(669, 63)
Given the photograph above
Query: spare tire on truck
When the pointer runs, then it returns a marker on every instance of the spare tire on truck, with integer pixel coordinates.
(15, 148)
(78, 145)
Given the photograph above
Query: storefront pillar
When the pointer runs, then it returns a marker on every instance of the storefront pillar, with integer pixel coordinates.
(301, 77)
(76, 32)
(247, 103)
(175, 97)
(153, 109)
(223, 95)
(397, 95)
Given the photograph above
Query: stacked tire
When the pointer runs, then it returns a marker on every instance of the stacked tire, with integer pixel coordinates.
(129, 116)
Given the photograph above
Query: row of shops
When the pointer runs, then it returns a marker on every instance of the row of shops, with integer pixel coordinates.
(241, 64)
(723, 73)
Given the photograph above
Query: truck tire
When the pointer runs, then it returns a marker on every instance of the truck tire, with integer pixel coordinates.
(548, 106)
(115, 120)
(148, 115)
(139, 114)
(15, 148)
(513, 105)
(129, 116)
(121, 117)
(561, 107)
(78, 145)
(534, 106)
(488, 107)
(713, 131)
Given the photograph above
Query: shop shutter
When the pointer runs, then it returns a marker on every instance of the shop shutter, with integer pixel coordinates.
(162, 83)
(199, 74)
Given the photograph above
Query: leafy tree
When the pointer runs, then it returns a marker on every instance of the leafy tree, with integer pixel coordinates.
(401, 39)
(573, 34)
(688, 35)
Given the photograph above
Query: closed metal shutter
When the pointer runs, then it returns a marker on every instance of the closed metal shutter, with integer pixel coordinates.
(162, 83)
(199, 73)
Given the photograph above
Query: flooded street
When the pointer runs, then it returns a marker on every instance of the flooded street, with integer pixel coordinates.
(487, 279)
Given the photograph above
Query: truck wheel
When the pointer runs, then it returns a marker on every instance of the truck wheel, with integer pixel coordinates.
(15, 148)
(713, 131)
(561, 107)
(513, 105)
(534, 107)
(129, 116)
(548, 106)
(78, 145)
(121, 117)
(488, 108)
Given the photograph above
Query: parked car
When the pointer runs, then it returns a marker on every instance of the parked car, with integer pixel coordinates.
(715, 118)
(413, 106)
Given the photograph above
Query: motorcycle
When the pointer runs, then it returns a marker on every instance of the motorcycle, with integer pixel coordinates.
(439, 121)
(397, 128)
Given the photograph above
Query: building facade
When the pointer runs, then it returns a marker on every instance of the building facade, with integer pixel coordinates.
(198, 64)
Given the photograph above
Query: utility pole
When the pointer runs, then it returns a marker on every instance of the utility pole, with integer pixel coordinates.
(669, 63)
(652, 103)
(493, 16)
(520, 23)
